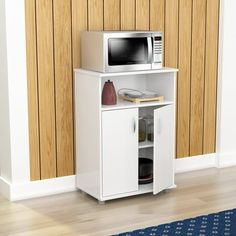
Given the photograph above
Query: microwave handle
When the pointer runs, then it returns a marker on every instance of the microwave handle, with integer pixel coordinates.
(150, 50)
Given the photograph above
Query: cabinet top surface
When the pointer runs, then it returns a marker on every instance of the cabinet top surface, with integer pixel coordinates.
(98, 74)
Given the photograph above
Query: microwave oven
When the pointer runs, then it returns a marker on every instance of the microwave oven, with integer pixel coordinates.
(118, 51)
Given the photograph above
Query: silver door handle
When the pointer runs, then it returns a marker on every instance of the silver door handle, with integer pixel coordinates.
(159, 126)
(134, 126)
(149, 41)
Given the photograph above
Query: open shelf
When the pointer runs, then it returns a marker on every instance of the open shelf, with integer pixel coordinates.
(121, 104)
(145, 144)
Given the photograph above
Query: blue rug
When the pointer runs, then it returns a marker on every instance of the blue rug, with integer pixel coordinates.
(220, 224)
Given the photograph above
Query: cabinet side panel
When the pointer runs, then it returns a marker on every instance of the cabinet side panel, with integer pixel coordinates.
(88, 125)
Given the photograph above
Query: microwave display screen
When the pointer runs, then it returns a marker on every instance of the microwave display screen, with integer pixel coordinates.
(157, 38)
(127, 51)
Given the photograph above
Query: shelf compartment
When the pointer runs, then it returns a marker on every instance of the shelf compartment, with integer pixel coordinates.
(145, 144)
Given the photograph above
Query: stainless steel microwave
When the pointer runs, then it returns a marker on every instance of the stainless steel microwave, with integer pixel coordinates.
(118, 51)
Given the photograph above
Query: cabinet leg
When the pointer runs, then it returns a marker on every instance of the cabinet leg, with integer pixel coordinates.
(101, 202)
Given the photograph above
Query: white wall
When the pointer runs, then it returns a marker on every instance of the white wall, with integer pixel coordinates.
(17, 82)
(5, 153)
(15, 181)
(13, 90)
(226, 125)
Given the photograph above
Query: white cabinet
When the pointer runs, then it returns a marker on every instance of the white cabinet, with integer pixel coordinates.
(107, 137)
(120, 151)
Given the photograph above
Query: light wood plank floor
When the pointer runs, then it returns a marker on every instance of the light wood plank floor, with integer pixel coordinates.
(198, 193)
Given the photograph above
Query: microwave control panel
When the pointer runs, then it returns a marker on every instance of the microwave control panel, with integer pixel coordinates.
(157, 49)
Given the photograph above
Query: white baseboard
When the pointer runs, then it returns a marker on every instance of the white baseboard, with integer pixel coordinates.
(4, 188)
(40, 188)
(46, 187)
(195, 163)
(226, 160)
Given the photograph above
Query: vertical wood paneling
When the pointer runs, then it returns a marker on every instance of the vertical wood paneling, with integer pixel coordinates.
(157, 18)
(79, 23)
(53, 28)
(32, 89)
(211, 66)
(157, 15)
(127, 14)
(111, 14)
(46, 88)
(184, 78)
(142, 15)
(171, 33)
(95, 14)
(197, 79)
(63, 86)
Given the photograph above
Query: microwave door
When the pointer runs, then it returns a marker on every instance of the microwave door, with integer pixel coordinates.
(126, 54)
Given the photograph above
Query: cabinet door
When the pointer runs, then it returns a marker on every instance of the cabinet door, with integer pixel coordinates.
(120, 151)
(163, 162)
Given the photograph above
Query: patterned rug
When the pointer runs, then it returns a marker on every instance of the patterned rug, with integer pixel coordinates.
(220, 224)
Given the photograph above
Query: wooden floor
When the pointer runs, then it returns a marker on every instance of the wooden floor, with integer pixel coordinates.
(198, 193)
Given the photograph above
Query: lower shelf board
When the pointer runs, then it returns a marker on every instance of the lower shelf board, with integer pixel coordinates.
(145, 144)
(145, 188)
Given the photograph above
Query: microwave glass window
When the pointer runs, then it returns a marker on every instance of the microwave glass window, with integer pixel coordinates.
(127, 51)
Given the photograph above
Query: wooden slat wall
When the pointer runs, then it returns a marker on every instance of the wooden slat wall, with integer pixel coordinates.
(79, 23)
(111, 14)
(45, 49)
(157, 15)
(171, 33)
(32, 73)
(190, 29)
(197, 77)
(184, 78)
(127, 14)
(212, 26)
(63, 86)
(142, 15)
(95, 14)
